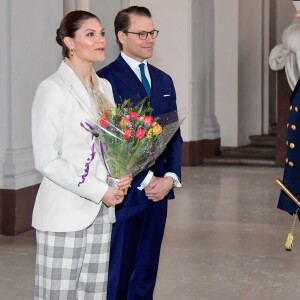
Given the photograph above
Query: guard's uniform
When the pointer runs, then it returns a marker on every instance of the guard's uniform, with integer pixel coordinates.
(291, 177)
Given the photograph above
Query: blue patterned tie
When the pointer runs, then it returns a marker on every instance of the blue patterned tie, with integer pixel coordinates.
(144, 80)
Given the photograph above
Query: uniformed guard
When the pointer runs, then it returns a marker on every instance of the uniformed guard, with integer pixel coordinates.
(291, 177)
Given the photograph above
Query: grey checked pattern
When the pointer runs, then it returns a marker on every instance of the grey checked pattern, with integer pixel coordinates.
(74, 265)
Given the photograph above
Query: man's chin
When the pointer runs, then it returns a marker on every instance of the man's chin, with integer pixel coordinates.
(148, 55)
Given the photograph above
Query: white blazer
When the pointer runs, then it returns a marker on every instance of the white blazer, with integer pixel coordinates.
(61, 147)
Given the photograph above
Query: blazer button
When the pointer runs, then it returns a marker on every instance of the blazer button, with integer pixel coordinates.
(286, 160)
(291, 164)
(287, 143)
(292, 146)
(296, 108)
(293, 127)
(287, 125)
(291, 107)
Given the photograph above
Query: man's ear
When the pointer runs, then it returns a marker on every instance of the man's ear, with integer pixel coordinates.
(121, 37)
(68, 42)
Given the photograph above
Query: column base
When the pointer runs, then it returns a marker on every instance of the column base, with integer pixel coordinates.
(16, 209)
(193, 152)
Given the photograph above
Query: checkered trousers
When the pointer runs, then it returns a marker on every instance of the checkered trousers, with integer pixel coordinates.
(74, 265)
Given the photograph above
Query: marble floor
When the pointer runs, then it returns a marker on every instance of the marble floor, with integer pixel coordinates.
(224, 240)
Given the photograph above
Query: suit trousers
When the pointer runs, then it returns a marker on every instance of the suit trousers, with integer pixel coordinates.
(138, 232)
(74, 265)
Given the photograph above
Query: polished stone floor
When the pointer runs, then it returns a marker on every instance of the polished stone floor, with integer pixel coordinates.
(224, 241)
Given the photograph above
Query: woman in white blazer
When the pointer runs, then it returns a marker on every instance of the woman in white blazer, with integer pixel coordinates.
(73, 214)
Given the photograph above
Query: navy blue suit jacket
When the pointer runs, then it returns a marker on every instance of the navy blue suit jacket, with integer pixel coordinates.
(125, 85)
(291, 177)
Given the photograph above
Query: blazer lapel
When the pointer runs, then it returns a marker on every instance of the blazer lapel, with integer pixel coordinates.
(77, 89)
(155, 90)
(124, 73)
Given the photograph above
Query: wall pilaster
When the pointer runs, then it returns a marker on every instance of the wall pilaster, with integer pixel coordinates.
(28, 55)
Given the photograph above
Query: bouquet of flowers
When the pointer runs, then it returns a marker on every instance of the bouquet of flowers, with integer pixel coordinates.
(130, 139)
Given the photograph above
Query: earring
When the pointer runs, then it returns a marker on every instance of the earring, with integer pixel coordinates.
(71, 53)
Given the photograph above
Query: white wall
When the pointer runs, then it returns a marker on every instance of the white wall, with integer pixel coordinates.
(172, 51)
(4, 81)
(29, 54)
(181, 51)
(106, 11)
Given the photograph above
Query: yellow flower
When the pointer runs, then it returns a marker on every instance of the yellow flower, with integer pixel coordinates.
(150, 134)
(157, 130)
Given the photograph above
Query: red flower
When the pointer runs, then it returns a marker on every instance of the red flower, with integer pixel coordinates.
(124, 123)
(103, 121)
(107, 112)
(148, 120)
(127, 134)
(133, 115)
(140, 133)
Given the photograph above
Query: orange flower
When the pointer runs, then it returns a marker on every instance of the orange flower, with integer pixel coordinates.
(127, 134)
(124, 123)
(157, 130)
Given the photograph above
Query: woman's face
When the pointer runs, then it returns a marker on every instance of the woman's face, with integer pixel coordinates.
(89, 42)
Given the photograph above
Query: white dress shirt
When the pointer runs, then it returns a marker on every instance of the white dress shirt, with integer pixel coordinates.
(134, 66)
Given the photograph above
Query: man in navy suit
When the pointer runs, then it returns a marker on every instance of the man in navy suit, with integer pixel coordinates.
(139, 229)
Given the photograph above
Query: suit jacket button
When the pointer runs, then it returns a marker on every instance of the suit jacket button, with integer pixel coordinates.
(293, 127)
(292, 146)
(286, 160)
(296, 108)
(291, 164)
(287, 143)
(291, 107)
(287, 125)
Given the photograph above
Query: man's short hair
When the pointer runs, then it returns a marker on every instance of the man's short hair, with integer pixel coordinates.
(122, 20)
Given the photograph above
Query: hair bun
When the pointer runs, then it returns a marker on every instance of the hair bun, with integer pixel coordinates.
(58, 38)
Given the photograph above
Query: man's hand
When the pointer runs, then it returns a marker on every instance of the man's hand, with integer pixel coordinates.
(124, 184)
(158, 188)
(113, 197)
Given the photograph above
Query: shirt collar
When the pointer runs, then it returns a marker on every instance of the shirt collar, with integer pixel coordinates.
(133, 64)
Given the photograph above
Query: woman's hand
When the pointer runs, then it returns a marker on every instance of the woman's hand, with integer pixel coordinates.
(113, 197)
(124, 184)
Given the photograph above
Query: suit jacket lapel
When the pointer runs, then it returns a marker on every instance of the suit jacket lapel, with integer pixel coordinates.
(77, 89)
(128, 77)
(155, 90)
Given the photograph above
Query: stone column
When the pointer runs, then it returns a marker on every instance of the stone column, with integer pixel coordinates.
(211, 128)
(226, 69)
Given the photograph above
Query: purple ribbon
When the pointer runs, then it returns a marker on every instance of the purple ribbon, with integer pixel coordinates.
(89, 160)
(90, 126)
(102, 152)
